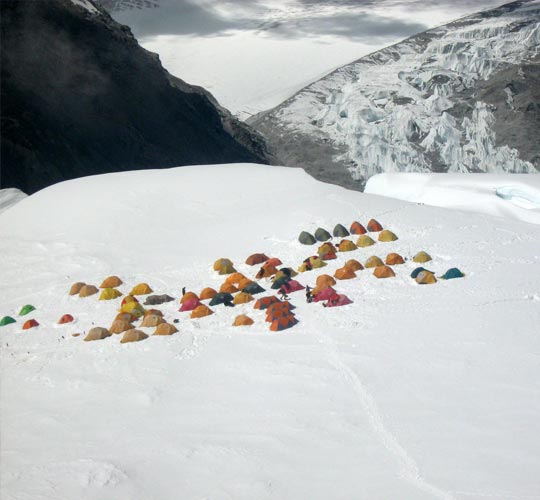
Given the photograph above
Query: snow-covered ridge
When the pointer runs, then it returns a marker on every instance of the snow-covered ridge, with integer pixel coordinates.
(395, 110)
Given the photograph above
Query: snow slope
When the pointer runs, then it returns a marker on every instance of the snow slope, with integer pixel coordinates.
(410, 392)
(415, 106)
(9, 197)
(254, 55)
(515, 196)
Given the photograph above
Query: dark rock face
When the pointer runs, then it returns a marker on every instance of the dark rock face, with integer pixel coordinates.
(81, 97)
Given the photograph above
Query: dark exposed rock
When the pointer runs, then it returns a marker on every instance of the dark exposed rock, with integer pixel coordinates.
(81, 97)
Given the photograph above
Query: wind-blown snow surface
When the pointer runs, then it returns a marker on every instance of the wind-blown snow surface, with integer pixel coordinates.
(512, 196)
(252, 55)
(410, 392)
(9, 197)
(399, 110)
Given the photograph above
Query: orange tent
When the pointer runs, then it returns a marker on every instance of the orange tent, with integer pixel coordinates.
(354, 265)
(242, 320)
(120, 326)
(264, 302)
(256, 258)
(242, 298)
(383, 272)
(141, 289)
(357, 228)
(111, 282)
(347, 246)
(31, 323)
(324, 281)
(201, 311)
(227, 288)
(344, 273)
(66, 318)
(267, 271)
(374, 226)
(234, 278)
(280, 307)
(188, 296)
(243, 283)
(283, 323)
(129, 298)
(207, 293)
(165, 329)
(393, 259)
(274, 261)
(88, 290)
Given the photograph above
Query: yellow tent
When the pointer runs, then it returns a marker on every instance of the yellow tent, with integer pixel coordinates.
(425, 278)
(133, 336)
(224, 266)
(422, 257)
(242, 298)
(374, 261)
(111, 282)
(242, 320)
(387, 235)
(141, 289)
(347, 246)
(315, 263)
(365, 241)
(109, 294)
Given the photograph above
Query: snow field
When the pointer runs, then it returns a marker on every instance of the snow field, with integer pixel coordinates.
(409, 392)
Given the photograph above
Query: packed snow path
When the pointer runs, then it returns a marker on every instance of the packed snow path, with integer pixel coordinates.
(409, 392)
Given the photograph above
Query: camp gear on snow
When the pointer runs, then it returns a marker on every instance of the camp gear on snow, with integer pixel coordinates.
(394, 259)
(422, 257)
(28, 308)
(346, 246)
(133, 336)
(387, 235)
(65, 318)
(452, 273)
(374, 261)
(165, 329)
(155, 300)
(6, 320)
(111, 282)
(374, 226)
(201, 311)
(340, 231)
(383, 272)
(364, 241)
(97, 333)
(221, 298)
(256, 258)
(242, 320)
(357, 228)
(76, 288)
(306, 238)
(425, 278)
(322, 234)
(109, 294)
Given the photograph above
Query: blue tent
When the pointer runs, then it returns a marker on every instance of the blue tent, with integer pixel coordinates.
(452, 273)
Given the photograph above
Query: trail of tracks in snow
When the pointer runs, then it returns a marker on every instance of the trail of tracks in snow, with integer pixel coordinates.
(409, 469)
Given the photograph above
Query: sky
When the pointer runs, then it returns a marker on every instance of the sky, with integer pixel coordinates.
(252, 55)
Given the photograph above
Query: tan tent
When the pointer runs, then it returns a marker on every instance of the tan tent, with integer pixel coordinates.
(344, 273)
(120, 326)
(207, 293)
(394, 259)
(111, 282)
(242, 298)
(109, 294)
(324, 281)
(365, 241)
(97, 333)
(201, 311)
(154, 312)
(152, 320)
(224, 266)
(346, 246)
(425, 278)
(125, 316)
(387, 235)
(383, 272)
(354, 265)
(88, 290)
(165, 329)
(422, 257)
(76, 288)
(374, 261)
(326, 248)
(242, 320)
(133, 336)
(141, 289)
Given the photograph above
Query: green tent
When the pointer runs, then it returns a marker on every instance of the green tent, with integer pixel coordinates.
(222, 298)
(280, 281)
(340, 231)
(452, 273)
(28, 308)
(306, 238)
(6, 320)
(417, 271)
(322, 234)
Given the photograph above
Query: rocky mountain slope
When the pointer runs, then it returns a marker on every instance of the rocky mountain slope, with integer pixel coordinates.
(460, 98)
(81, 97)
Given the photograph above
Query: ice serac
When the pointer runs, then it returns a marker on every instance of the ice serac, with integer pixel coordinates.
(81, 97)
(463, 97)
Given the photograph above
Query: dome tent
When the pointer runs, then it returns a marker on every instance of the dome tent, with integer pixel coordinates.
(188, 296)
(152, 320)
(394, 259)
(28, 308)
(354, 265)
(306, 238)
(253, 288)
(76, 288)
(346, 246)
(422, 257)
(97, 333)
(344, 273)
(340, 231)
(417, 271)
(386, 236)
(242, 298)
(374, 226)
(322, 234)
(452, 273)
(65, 318)
(207, 293)
(383, 272)
(6, 320)
(121, 326)
(256, 258)
(31, 323)
(357, 228)
(189, 305)
(425, 278)
(165, 329)
(224, 266)
(88, 290)
(374, 261)
(111, 282)
(201, 311)
(242, 320)
(133, 335)
(109, 294)
(221, 298)
(141, 289)
(365, 241)
(265, 302)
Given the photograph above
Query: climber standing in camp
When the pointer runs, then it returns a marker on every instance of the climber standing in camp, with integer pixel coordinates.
(309, 296)
(260, 274)
(283, 293)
